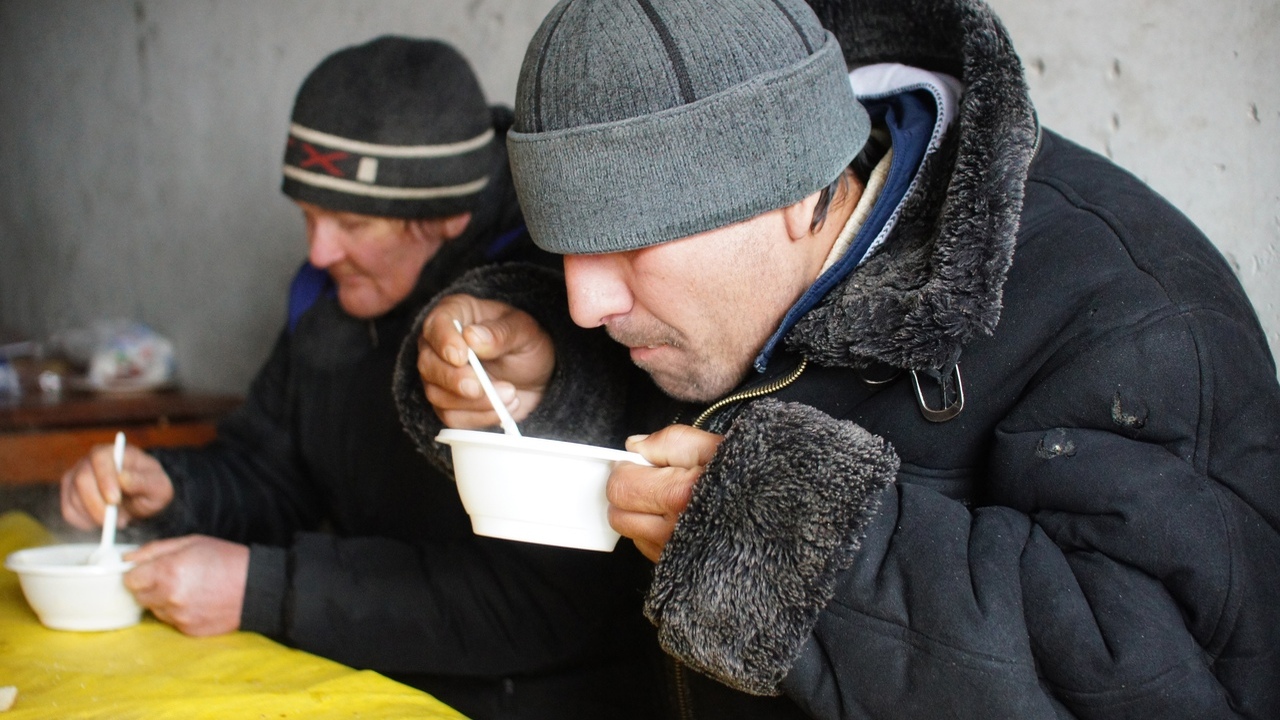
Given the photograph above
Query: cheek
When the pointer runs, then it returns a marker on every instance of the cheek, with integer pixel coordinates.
(419, 251)
(742, 306)
(392, 265)
(398, 272)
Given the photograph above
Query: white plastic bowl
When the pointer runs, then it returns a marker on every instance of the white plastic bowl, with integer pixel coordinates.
(535, 490)
(67, 594)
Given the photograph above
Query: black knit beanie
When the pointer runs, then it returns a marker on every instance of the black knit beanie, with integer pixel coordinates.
(396, 127)
(643, 121)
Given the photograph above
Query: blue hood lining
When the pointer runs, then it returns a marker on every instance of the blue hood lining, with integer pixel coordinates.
(911, 118)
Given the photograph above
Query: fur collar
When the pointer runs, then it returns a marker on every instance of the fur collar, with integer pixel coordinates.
(937, 282)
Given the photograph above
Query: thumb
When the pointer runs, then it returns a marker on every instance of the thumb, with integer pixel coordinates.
(158, 548)
(508, 333)
(676, 446)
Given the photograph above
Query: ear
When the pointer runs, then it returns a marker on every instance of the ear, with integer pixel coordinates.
(439, 229)
(454, 225)
(798, 216)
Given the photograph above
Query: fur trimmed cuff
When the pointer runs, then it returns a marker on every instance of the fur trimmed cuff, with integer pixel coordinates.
(584, 400)
(777, 514)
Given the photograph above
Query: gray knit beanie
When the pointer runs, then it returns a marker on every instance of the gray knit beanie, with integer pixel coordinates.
(395, 127)
(643, 121)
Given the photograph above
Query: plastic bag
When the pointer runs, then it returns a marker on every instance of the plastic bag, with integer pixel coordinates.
(120, 354)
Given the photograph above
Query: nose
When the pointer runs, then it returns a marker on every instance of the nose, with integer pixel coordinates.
(597, 288)
(324, 242)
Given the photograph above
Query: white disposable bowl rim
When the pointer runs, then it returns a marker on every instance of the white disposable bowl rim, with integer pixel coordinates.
(450, 436)
(34, 561)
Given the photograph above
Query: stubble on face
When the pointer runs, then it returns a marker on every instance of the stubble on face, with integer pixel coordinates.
(720, 315)
(676, 366)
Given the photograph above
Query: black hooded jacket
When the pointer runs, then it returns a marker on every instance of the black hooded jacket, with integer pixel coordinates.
(361, 550)
(1095, 534)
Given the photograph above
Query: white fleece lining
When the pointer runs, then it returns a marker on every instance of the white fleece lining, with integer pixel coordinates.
(875, 184)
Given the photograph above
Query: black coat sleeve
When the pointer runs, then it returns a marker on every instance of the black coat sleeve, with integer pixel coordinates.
(453, 605)
(1124, 565)
(471, 607)
(585, 399)
(248, 485)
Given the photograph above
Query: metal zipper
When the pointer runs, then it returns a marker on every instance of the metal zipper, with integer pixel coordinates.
(682, 691)
(683, 707)
(772, 387)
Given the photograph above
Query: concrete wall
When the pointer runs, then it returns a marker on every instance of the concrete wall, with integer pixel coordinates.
(1184, 94)
(141, 142)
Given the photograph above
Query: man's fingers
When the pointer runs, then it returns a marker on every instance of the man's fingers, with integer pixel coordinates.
(73, 508)
(456, 411)
(677, 446)
(141, 581)
(156, 548)
(450, 385)
(446, 384)
(133, 477)
(645, 502)
(469, 396)
(474, 315)
(469, 420)
(517, 352)
(103, 467)
(661, 491)
(442, 340)
(81, 496)
(509, 332)
(651, 550)
(195, 583)
(153, 580)
(641, 525)
(650, 533)
(152, 586)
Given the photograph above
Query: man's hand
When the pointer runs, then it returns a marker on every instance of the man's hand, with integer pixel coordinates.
(645, 502)
(516, 351)
(194, 583)
(142, 490)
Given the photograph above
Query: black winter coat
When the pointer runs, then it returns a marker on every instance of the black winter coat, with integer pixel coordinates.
(1096, 534)
(361, 550)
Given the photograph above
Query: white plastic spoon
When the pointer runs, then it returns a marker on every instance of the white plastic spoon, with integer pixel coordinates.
(106, 553)
(504, 417)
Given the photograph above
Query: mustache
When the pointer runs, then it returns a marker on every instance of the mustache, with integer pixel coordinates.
(631, 334)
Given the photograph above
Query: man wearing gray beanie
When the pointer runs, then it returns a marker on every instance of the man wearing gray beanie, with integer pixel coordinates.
(948, 416)
(311, 519)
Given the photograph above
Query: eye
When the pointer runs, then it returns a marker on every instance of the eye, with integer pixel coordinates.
(352, 224)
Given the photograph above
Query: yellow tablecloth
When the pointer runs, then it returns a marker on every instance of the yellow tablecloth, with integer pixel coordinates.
(154, 672)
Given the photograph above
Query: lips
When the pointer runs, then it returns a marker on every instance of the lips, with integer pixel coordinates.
(641, 354)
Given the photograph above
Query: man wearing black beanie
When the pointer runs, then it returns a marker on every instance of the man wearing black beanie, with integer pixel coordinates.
(311, 518)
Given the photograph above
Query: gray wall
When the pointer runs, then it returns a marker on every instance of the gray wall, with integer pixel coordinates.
(141, 142)
(1184, 94)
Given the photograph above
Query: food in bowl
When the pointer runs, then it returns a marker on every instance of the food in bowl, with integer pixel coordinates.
(66, 593)
(535, 490)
